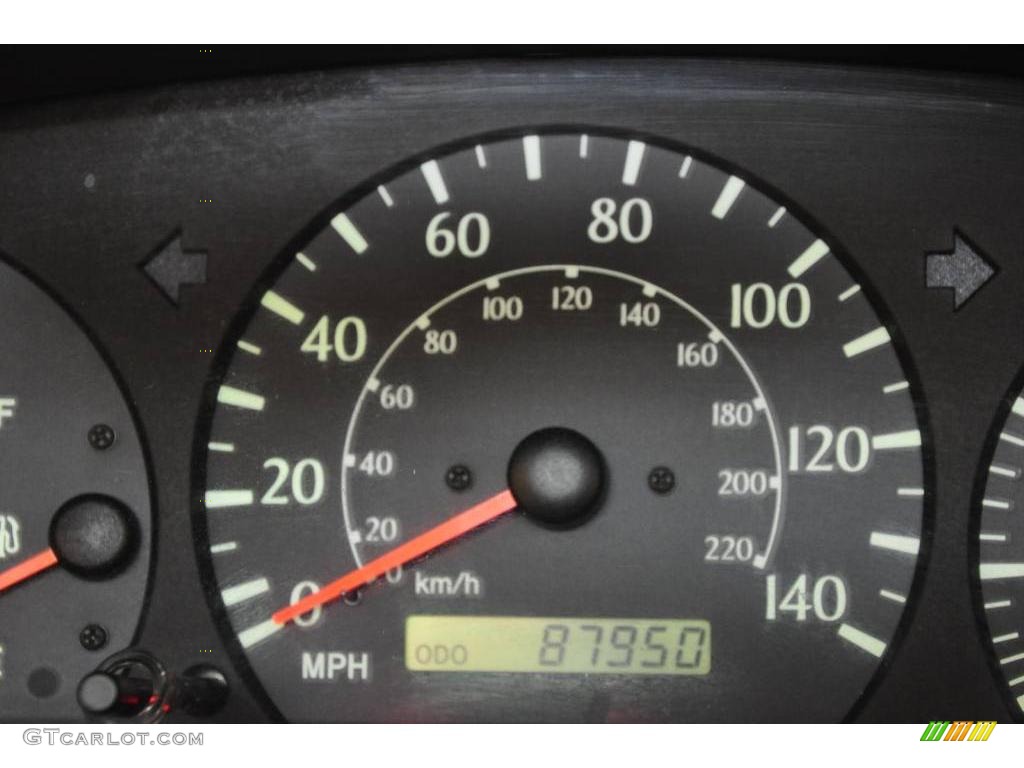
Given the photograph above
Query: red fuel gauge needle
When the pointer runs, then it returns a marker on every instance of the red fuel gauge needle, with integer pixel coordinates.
(27, 569)
(449, 530)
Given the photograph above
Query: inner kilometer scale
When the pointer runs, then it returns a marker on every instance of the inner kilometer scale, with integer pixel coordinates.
(561, 427)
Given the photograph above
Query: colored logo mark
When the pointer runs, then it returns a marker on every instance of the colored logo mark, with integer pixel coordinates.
(960, 730)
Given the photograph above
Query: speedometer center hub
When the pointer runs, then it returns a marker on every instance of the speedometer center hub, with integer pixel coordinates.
(557, 476)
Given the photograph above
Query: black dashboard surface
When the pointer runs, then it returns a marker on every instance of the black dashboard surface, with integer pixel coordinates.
(892, 165)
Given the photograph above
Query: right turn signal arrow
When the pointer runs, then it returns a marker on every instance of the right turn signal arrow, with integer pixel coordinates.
(964, 270)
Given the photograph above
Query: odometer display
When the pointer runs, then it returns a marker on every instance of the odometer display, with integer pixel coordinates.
(557, 645)
(562, 381)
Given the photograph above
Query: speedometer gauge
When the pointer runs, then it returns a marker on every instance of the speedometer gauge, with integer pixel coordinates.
(561, 426)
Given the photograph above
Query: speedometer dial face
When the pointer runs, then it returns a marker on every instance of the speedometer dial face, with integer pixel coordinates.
(1000, 544)
(561, 427)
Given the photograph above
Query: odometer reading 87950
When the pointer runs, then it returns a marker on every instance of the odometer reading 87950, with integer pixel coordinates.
(558, 645)
(563, 374)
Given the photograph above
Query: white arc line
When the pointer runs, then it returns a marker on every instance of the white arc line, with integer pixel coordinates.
(997, 604)
(584, 146)
(760, 560)
(1006, 638)
(246, 346)
(899, 386)
(531, 154)
(220, 549)
(814, 253)
(909, 439)
(227, 498)
(733, 186)
(254, 634)
(908, 545)
(776, 217)
(240, 398)
(1018, 406)
(385, 196)
(245, 591)
(343, 226)
(862, 640)
(281, 307)
(634, 159)
(432, 173)
(221, 447)
(995, 571)
(870, 340)
(684, 169)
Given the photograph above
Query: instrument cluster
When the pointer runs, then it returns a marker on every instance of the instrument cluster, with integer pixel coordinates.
(656, 390)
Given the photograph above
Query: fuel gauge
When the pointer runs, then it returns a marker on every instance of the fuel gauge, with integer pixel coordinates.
(75, 515)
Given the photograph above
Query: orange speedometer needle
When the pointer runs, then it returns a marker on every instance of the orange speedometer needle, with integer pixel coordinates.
(438, 536)
(26, 569)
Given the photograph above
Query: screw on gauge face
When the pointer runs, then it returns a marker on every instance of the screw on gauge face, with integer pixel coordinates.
(661, 480)
(93, 637)
(353, 598)
(458, 477)
(102, 436)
